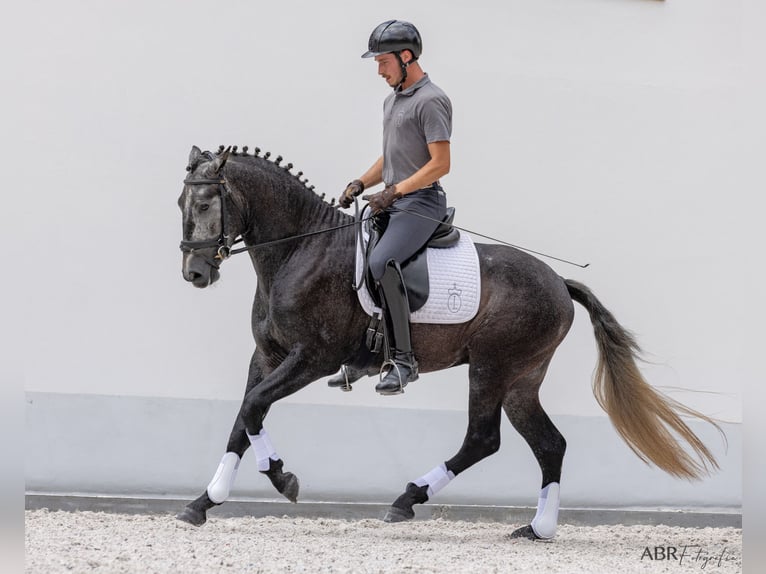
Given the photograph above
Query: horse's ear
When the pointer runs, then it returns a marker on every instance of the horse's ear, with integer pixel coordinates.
(194, 156)
(220, 160)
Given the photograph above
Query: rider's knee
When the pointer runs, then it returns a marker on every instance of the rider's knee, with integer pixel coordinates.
(378, 264)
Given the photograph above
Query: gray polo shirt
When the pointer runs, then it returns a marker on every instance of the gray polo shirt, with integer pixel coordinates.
(412, 119)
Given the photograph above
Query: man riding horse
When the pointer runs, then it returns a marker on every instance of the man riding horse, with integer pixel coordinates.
(417, 124)
(306, 324)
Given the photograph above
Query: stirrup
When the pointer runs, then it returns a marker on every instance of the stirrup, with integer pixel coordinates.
(389, 386)
(341, 380)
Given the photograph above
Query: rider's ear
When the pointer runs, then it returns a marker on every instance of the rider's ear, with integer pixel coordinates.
(194, 156)
(220, 160)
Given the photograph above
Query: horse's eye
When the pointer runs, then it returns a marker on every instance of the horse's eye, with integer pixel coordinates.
(204, 206)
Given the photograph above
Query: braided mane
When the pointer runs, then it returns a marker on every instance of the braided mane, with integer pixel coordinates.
(277, 161)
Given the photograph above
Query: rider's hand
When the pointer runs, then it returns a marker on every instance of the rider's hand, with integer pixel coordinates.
(352, 190)
(383, 199)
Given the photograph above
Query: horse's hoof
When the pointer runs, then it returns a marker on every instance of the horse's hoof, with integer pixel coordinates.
(395, 514)
(192, 516)
(525, 532)
(292, 486)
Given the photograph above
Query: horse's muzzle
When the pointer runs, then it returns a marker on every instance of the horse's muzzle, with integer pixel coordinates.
(199, 272)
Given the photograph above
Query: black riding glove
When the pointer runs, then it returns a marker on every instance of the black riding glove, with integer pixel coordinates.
(383, 199)
(352, 190)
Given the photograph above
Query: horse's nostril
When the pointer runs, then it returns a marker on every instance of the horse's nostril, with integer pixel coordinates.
(193, 275)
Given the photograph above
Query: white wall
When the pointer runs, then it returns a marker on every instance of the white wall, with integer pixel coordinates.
(614, 132)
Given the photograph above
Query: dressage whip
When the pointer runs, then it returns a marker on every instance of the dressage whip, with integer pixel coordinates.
(581, 265)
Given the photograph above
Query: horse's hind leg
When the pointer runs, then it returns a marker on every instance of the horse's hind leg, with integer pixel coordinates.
(522, 405)
(481, 440)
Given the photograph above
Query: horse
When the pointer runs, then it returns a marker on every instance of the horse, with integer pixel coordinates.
(307, 323)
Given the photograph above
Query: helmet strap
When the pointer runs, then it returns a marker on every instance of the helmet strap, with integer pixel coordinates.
(403, 67)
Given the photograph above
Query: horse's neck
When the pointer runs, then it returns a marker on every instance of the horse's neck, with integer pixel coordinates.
(280, 212)
(282, 208)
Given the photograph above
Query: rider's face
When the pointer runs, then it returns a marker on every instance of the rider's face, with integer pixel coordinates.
(389, 69)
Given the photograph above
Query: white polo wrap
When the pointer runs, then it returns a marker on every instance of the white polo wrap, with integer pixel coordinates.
(547, 516)
(263, 449)
(219, 487)
(436, 479)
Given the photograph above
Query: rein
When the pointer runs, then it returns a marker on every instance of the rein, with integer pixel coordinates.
(224, 242)
(292, 237)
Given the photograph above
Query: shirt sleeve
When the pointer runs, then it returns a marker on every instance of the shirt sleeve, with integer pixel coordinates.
(436, 119)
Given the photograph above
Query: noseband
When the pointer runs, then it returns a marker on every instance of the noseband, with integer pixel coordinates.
(224, 241)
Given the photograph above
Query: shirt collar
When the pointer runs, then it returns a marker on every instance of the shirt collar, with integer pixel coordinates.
(414, 87)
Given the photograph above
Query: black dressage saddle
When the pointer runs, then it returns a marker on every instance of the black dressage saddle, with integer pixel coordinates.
(414, 269)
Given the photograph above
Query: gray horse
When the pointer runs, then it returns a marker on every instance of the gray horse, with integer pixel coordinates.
(307, 322)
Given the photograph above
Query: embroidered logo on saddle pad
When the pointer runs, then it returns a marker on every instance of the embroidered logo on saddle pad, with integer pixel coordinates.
(454, 279)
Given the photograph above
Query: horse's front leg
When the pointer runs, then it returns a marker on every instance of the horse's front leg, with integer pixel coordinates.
(218, 490)
(293, 374)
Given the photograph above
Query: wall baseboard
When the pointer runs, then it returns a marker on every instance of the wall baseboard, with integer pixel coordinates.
(151, 447)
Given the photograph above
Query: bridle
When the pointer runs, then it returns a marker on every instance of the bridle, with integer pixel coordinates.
(223, 242)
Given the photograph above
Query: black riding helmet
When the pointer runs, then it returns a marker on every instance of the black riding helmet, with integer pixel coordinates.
(393, 36)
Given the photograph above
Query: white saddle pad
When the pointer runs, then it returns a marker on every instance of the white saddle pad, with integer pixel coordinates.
(454, 284)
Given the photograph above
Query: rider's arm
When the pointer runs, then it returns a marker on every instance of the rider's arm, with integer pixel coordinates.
(374, 175)
(437, 167)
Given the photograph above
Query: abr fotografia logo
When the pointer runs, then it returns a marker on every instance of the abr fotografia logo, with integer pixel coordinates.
(688, 553)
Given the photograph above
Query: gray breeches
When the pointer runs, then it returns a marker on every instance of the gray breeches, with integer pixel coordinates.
(407, 233)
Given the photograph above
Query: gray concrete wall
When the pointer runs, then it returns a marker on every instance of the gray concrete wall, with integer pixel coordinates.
(150, 446)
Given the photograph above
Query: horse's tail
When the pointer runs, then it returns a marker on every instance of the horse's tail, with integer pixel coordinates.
(643, 416)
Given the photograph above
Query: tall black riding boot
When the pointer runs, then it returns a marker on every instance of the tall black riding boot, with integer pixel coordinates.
(404, 368)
